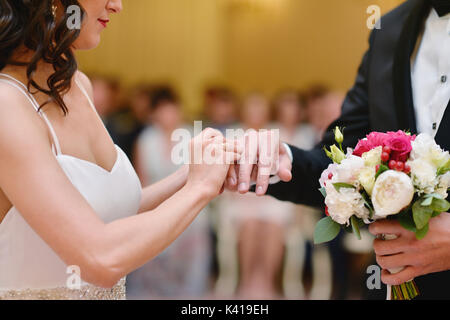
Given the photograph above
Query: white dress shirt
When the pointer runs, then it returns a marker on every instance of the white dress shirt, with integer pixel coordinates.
(430, 74)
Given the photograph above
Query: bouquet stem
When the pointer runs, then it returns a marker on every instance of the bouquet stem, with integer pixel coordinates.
(405, 291)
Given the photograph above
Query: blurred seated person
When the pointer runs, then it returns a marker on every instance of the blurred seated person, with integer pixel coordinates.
(126, 123)
(182, 270)
(323, 106)
(220, 108)
(106, 91)
(260, 222)
(291, 120)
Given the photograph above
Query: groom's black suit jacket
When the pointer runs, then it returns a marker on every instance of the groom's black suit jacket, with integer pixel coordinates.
(380, 100)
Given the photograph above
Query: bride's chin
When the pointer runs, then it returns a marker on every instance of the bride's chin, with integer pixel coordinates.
(87, 44)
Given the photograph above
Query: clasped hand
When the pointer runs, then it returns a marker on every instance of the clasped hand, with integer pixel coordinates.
(417, 257)
(236, 164)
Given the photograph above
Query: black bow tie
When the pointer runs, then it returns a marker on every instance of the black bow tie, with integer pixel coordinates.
(442, 7)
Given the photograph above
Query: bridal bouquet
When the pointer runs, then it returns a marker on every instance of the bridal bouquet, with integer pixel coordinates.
(392, 175)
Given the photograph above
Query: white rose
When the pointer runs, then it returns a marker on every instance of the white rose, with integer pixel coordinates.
(367, 179)
(373, 157)
(344, 204)
(393, 191)
(423, 175)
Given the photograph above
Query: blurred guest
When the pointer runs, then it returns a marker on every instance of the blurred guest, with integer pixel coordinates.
(260, 222)
(126, 124)
(220, 108)
(182, 270)
(106, 93)
(291, 117)
(323, 106)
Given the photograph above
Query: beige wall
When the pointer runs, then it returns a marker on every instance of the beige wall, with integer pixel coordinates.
(248, 44)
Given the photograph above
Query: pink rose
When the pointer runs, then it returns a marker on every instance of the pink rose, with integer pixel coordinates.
(363, 146)
(400, 144)
(372, 141)
(378, 139)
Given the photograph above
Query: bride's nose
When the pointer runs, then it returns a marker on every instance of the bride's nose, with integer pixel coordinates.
(114, 6)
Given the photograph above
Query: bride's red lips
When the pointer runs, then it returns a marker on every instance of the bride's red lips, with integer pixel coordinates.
(103, 22)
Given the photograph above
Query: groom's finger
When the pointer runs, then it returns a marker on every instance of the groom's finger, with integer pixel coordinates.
(285, 166)
(248, 160)
(388, 247)
(403, 276)
(268, 161)
(386, 227)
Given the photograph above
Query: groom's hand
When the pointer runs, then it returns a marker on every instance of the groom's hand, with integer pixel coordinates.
(418, 257)
(264, 155)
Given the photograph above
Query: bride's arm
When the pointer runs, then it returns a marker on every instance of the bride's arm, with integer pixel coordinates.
(155, 194)
(34, 182)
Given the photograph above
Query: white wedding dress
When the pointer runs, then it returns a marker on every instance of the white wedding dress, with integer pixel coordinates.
(29, 268)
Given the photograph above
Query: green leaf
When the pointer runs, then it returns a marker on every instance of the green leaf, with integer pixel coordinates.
(326, 230)
(406, 221)
(440, 205)
(420, 234)
(328, 153)
(436, 214)
(382, 169)
(340, 185)
(323, 192)
(368, 204)
(427, 202)
(355, 227)
(421, 214)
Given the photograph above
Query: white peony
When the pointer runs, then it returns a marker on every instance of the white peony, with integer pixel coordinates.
(344, 204)
(393, 191)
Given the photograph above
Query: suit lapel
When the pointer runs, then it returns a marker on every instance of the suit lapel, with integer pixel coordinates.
(443, 136)
(402, 66)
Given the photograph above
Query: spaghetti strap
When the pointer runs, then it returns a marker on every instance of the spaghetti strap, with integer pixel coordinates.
(22, 88)
(91, 103)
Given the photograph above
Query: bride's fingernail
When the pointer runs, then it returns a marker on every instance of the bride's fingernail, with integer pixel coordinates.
(243, 186)
(232, 181)
(259, 190)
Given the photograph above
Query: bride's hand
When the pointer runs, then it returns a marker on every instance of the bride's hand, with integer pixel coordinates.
(210, 158)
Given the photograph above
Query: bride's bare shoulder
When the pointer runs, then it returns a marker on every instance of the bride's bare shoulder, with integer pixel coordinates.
(18, 117)
(85, 82)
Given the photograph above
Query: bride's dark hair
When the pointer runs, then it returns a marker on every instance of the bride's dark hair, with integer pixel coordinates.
(31, 24)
